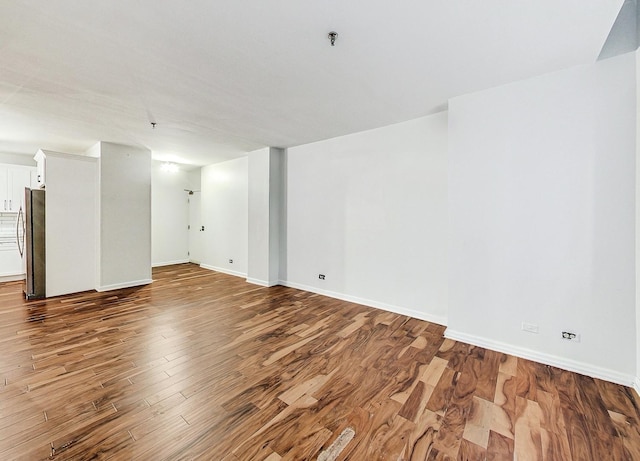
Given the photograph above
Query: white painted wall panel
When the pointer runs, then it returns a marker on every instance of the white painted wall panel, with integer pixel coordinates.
(277, 215)
(125, 216)
(169, 216)
(258, 218)
(225, 216)
(369, 211)
(637, 253)
(70, 223)
(195, 239)
(542, 207)
(265, 215)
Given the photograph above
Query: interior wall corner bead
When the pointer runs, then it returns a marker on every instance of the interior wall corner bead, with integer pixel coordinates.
(332, 37)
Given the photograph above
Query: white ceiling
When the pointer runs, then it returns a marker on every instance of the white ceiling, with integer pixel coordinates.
(221, 78)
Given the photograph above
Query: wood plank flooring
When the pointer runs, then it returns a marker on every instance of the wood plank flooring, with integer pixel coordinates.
(202, 365)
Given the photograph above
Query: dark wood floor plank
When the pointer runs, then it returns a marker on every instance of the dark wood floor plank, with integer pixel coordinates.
(458, 410)
(202, 365)
(556, 445)
(471, 452)
(441, 395)
(499, 448)
(487, 375)
(629, 433)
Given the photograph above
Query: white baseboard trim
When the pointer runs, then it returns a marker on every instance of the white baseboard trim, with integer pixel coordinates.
(263, 283)
(118, 286)
(440, 320)
(170, 263)
(223, 270)
(636, 385)
(11, 278)
(547, 359)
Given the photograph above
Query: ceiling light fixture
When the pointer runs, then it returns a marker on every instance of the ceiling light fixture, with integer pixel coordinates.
(170, 167)
(332, 37)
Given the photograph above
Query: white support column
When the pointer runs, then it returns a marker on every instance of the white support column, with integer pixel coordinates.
(125, 216)
(266, 212)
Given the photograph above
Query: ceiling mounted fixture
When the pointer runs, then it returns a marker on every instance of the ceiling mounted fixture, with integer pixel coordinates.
(170, 167)
(332, 37)
(153, 125)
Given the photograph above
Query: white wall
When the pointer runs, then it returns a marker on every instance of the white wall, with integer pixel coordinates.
(17, 159)
(169, 215)
(277, 215)
(125, 216)
(266, 202)
(258, 220)
(369, 211)
(224, 207)
(194, 179)
(637, 254)
(542, 207)
(71, 224)
(195, 212)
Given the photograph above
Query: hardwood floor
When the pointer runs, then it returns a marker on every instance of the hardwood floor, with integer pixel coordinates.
(202, 365)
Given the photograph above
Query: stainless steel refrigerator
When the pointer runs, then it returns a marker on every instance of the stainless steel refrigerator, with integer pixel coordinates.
(32, 220)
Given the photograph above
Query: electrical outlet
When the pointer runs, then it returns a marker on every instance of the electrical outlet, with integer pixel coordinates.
(571, 336)
(321, 276)
(231, 261)
(530, 327)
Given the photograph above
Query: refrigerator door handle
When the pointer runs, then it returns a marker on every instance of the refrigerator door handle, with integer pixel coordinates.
(20, 218)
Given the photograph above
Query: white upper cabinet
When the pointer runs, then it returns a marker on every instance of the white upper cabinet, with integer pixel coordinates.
(13, 180)
(4, 188)
(19, 178)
